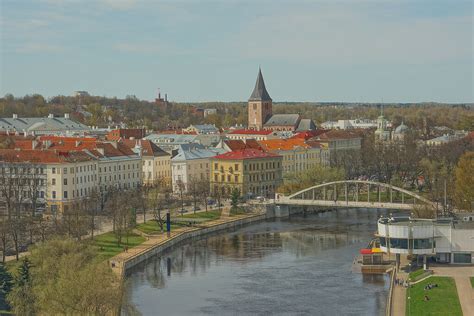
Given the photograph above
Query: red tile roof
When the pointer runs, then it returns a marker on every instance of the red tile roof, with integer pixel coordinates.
(283, 144)
(42, 156)
(309, 134)
(248, 153)
(250, 132)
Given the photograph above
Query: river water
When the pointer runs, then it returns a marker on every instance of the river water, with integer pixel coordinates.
(296, 266)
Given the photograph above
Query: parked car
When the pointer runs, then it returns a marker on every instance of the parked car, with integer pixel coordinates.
(197, 208)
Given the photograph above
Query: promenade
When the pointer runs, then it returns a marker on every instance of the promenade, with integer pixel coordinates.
(119, 262)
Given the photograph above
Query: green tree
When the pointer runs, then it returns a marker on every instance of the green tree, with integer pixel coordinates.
(65, 278)
(315, 176)
(464, 185)
(6, 284)
(234, 198)
(22, 298)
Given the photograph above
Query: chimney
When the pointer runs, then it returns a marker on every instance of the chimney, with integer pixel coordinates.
(66, 115)
(15, 116)
(47, 144)
(34, 143)
(78, 142)
(166, 97)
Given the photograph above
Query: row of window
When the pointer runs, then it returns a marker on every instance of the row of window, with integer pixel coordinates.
(24, 170)
(403, 243)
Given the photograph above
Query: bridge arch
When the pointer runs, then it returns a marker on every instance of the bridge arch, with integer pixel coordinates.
(313, 195)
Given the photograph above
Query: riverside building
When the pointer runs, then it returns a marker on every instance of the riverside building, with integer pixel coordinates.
(253, 172)
(446, 240)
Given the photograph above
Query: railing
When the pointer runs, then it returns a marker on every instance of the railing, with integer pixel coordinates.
(388, 307)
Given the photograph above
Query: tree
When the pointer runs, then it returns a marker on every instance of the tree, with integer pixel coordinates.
(234, 198)
(66, 279)
(6, 284)
(22, 298)
(314, 176)
(464, 185)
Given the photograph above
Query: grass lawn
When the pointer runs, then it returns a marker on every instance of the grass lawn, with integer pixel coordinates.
(209, 215)
(152, 228)
(472, 281)
(443, 299)
(107, 243)
(416, 273)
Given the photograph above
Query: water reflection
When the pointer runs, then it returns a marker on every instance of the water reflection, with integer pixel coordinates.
(296, 266)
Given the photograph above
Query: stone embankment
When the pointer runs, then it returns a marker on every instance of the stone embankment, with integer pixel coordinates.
(156, 244)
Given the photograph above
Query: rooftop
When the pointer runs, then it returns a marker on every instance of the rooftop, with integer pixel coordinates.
(248, 153)
(249, 132)
(260, 92)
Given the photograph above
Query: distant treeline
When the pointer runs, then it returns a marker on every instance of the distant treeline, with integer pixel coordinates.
(103, 111)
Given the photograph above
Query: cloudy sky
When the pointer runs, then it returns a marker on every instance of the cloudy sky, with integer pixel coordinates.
(320, 50)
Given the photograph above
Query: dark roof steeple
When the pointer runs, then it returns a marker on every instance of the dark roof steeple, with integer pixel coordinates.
(260, 92)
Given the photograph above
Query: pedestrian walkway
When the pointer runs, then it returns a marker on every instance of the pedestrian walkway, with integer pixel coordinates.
(153, 241)
(399, 296)
(461, 276)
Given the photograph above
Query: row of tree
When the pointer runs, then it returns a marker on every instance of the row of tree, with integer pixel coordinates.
(102, 111)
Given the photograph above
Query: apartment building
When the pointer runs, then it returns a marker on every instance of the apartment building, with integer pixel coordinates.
(156, 163)
(253, 172)
(336, 143)
(192, 163)
(63, 176)
(297, 155)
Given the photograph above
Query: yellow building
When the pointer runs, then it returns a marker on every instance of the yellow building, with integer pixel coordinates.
(251, 171)
(298, 156)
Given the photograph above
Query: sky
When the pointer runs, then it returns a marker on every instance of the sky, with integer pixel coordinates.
(199, 50)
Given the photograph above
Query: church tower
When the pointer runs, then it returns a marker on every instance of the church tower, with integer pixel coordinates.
(259, 105)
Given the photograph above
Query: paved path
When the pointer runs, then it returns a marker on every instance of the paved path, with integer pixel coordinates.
(399, 296)
(157, 240)
(461, 275)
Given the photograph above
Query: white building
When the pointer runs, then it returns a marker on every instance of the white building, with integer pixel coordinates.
(450, 241)
(192, 163)
(50, 125)
(349, 124)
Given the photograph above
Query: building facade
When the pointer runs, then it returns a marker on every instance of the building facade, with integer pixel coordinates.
(251, 171)
(448, 240)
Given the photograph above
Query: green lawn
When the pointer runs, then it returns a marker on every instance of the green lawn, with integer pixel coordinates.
(107, 244)
(151, 227)
(210, 215)
(416, 273)
(472, 281)
(443, 299)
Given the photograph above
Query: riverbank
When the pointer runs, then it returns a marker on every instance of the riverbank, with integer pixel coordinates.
(156, 244)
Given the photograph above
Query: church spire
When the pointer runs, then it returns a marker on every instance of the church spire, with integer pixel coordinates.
(260, 92)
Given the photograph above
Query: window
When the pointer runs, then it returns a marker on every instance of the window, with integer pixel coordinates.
(64, 170)
(236, 178)
(236, 167)
(53, 181)
(65, 194)
(65, 181)
(228, 178)
(216, 177)
(422, 243)
(53, 170)
(53, 194)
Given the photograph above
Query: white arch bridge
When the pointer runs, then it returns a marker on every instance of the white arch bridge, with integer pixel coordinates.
(355, 194)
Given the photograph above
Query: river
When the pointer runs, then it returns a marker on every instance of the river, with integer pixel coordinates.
(296, 266)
